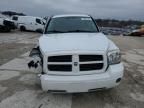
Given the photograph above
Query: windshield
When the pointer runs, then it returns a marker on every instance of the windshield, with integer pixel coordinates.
(71, 24)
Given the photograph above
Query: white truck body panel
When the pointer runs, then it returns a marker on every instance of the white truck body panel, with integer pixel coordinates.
(73, 42)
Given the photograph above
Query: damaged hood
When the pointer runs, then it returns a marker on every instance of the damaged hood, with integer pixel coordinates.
(73, 41)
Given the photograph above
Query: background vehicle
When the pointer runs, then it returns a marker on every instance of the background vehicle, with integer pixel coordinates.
(74, 56)
(29, 23)
(6, 25)
(138, 32)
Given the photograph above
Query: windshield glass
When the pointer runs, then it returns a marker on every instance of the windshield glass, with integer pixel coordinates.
(71, 24)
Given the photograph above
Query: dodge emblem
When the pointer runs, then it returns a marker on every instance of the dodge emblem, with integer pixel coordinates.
(75, 63)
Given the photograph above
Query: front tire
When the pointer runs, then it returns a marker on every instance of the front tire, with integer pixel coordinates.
(22, 28)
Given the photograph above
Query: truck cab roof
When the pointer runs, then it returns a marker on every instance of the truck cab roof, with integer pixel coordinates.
(71, 15)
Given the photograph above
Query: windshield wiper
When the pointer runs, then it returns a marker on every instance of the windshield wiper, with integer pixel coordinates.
(55, 31)
(81, 31)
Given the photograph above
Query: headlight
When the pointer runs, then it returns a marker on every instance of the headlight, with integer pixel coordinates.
(114, 57)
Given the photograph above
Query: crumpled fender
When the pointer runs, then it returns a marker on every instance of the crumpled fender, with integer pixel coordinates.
(36, 59)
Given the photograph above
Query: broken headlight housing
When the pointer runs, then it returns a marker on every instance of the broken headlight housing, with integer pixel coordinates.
(114, 57)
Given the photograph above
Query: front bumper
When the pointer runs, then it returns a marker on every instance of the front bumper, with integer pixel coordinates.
(83, 83)
(9, 24)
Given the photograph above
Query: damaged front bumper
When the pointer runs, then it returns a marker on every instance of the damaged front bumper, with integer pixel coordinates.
(83, 83)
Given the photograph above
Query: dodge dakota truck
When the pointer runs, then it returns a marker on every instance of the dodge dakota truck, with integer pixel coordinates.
(73, 56)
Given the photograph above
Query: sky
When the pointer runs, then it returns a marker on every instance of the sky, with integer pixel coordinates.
(114, 9)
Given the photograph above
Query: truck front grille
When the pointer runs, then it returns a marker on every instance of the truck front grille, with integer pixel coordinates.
(78, 63)
(89, 67)
(61, 58)
(64, 68)
(85, 58)
(9, 24)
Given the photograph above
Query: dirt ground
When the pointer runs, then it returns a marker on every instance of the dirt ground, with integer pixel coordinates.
(18, 88)
(12, 44)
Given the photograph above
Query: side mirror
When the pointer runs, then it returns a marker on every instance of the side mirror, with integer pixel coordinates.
(43, 23)
(103, 30)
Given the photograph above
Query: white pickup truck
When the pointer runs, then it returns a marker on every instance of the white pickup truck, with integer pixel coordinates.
(74, 56)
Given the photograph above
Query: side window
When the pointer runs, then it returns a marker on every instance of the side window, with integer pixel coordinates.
(43, 23)
(38, 21)
(15, 18)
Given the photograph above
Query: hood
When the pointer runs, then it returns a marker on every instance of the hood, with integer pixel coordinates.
(9, 20)
(73, 41)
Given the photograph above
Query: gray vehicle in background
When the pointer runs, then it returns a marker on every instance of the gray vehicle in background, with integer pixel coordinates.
(6, 25)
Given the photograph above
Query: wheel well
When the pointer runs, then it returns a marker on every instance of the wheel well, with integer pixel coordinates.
(22, 27)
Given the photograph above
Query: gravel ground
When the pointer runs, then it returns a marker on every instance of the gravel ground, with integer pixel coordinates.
(13, 44)
(12, 50)
(18, 87)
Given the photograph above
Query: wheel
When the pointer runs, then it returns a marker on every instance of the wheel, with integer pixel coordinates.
(22, 28)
